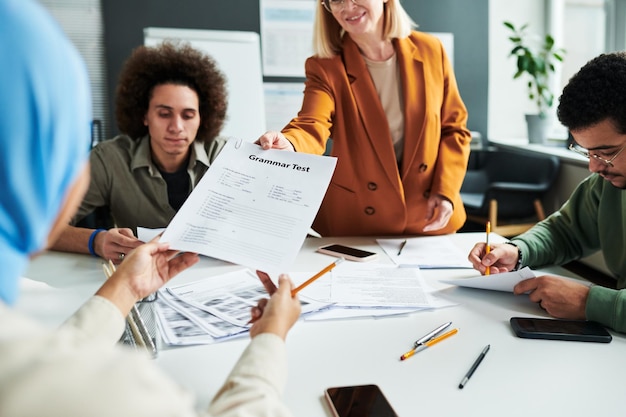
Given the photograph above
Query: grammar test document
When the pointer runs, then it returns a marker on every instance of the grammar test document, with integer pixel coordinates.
(252, 207)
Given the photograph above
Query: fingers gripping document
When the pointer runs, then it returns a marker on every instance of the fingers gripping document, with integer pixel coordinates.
(253, 207)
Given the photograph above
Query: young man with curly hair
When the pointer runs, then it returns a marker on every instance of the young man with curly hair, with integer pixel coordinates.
(170, 107)
(593, 108)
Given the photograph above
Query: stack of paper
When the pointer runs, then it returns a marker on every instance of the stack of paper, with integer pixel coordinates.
(213, 309)
(371, 290)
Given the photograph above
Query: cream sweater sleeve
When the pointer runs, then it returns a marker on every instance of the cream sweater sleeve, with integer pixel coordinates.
(79, 370)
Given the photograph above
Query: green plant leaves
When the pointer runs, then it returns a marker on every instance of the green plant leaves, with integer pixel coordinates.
(536, 61)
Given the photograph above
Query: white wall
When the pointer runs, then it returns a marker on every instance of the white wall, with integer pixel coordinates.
(508, 98)
(576, 25)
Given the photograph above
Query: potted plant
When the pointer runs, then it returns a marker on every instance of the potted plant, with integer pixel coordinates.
(537, 61)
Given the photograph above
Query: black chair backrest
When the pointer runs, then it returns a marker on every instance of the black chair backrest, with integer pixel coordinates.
(529, 176)
(519, 167)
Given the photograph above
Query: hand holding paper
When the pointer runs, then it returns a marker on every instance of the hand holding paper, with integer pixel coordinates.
(506, 281)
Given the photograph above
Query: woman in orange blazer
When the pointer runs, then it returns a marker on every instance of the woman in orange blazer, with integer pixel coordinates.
(388, 98)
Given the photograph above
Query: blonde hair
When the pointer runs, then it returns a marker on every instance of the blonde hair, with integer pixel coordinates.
(328, 33)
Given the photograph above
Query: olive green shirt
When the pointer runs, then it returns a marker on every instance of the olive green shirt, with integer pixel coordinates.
(125, 179)
(594, 218)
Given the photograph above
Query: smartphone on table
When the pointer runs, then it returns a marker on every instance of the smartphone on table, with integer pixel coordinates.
(556, 329)
(347, 252)
(358, 401)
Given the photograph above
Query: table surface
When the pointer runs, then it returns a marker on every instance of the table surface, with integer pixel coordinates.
(518, 377)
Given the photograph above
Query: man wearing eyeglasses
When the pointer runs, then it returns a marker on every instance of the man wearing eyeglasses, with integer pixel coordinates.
(593, 108)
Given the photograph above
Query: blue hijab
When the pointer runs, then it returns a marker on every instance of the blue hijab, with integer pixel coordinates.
(45, 116)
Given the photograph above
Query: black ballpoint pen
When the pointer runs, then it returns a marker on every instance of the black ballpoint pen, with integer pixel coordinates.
(402, 245)
(469, 373)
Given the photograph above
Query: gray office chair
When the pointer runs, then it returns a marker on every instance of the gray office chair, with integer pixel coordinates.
(506, 187)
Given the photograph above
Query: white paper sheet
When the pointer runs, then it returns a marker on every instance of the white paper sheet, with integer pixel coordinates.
(145, 234)
(372, 286)
(498, 282)
(369, 290)
(428, 252)
(252, 207)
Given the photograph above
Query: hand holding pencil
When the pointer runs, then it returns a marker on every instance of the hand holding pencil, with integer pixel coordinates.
(258, 312)
(278, 314)
(501, 257)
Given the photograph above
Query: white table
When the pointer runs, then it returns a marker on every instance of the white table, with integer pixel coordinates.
(518, 377)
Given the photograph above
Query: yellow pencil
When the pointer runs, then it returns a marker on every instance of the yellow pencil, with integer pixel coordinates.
(316, 276)
(428, 344)
(488, 247)
(267, 282)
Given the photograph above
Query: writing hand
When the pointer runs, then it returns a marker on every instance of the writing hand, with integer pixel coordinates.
(502, 257)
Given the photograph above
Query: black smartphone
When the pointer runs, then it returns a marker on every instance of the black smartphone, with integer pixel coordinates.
(555, 329)
(347, 252)
(359, 401)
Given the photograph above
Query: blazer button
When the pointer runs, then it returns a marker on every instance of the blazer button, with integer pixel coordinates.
(372, 186)
(426, 194)
(423, 167)
(370, 210)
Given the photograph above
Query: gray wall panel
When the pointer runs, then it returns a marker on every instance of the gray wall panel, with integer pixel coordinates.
(124, 21)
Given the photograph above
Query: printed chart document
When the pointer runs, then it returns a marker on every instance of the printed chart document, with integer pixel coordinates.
(253, 207)
(428, 252)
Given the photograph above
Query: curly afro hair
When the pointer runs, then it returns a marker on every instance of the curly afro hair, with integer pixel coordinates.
(170, 63)
(596, 93)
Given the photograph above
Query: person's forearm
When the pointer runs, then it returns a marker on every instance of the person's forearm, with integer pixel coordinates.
(256, 383)
(73, 239)
(117, 292)
(607, 307)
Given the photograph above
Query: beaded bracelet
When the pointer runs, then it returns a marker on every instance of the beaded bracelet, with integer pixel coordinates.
(91, 239)
(518, 265)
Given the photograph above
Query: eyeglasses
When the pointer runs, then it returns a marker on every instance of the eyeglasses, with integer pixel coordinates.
(335, 5)
(588, 155)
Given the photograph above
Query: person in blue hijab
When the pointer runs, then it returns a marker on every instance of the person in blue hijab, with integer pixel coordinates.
(78, 369)
(44, 94)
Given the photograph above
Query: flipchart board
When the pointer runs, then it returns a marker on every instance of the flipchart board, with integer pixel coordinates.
(238, 55)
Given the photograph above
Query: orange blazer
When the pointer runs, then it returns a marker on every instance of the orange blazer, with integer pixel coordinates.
(369, 194)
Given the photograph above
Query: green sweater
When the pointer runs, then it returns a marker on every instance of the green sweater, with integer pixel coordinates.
(594, 218)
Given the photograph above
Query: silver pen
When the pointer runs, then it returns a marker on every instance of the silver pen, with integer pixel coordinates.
(432, 334)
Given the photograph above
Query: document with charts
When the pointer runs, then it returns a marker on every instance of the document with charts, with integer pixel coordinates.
(253, 207)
